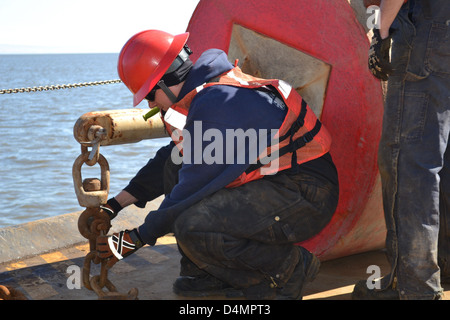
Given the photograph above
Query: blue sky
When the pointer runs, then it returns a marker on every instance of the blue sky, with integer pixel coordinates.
(85, 26)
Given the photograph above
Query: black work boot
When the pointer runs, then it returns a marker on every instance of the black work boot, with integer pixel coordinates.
(305, 271)
(362, 292)
(204, 286)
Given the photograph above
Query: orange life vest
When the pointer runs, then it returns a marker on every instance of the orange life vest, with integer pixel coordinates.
(301, 131)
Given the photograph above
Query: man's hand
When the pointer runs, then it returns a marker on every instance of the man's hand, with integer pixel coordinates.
(379, 63)
(118, 246)
(112, 208)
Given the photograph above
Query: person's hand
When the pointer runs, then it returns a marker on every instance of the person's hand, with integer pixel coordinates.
(379, 63)
(118, 246)
(112, 208)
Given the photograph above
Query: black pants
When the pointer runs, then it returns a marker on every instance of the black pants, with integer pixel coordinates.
(245, 236)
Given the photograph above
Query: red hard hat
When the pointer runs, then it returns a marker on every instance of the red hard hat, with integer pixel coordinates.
(145, 58)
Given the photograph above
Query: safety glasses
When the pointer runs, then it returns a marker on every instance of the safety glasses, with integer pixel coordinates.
(161, 85)
(151, 95)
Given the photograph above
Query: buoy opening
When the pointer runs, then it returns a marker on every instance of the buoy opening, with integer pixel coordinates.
(264, 57)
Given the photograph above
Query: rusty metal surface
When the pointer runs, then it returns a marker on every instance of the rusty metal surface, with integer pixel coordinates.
(10, 293)
(122, 126)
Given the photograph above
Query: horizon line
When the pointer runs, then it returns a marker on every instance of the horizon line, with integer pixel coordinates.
(33, 49)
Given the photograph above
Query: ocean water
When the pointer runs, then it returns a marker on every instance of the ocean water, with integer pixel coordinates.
(37, 147)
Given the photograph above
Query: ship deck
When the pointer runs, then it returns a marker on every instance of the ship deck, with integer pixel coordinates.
(43, 259)
(152, 271)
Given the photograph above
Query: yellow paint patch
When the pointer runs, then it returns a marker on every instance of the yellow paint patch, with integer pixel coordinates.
(53, 257)
(331, 293)
(166, 240)
(83, 247)
(16, 265)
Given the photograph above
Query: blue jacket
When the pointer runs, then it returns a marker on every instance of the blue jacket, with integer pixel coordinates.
(218, 107)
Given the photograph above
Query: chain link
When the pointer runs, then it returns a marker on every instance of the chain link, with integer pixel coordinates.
(9, 293)
(59, 86)
(94, 221)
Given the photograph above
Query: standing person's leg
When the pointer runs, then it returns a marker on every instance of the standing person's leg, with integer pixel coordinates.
(424, 137)
(444, 211)
(414, 139)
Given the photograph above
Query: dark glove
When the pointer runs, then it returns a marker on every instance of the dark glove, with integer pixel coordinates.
(118, 246)
(112, 208)
(379, 63)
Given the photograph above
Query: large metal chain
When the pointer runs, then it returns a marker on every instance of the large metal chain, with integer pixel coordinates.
(93, 222)
(59, 86)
